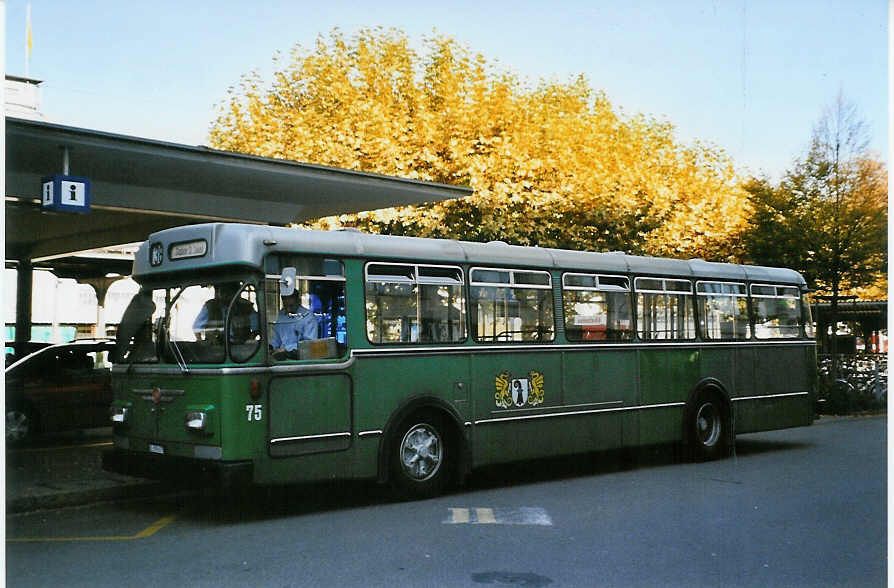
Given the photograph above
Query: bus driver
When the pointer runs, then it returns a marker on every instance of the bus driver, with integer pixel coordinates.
(293, 324)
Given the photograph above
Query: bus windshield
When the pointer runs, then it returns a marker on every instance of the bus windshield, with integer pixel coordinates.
(191, 324)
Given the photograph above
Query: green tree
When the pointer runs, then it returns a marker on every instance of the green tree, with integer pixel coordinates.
(828, 216)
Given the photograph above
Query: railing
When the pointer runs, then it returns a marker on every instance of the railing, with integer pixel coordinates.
(859, 385)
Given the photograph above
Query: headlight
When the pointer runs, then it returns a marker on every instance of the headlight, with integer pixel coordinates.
(199, 418)
(195, 421)
(119, 415)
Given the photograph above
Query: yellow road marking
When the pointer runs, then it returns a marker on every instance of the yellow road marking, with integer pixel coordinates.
(154, 527)
(485, 516)
(147, 532)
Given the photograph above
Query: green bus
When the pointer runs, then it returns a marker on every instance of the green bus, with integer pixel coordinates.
(273, 356)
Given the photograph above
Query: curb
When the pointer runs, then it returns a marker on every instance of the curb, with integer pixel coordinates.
(80, 497)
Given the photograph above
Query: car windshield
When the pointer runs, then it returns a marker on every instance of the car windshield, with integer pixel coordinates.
(191, 324)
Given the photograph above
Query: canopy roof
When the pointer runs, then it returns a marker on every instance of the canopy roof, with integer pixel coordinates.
(140, 186)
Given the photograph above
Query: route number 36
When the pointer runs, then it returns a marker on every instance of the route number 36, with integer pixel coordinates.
(254, 412)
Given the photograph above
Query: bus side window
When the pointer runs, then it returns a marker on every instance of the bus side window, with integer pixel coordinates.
(777, 311)
(663, 309)
(308, 324)
(511, 305)
(597, 307)
(723, 310)
(410, 303)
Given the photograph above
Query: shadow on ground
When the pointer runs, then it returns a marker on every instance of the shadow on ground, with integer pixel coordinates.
(217, 507)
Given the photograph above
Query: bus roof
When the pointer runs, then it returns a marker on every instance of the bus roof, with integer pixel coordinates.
(243, 244)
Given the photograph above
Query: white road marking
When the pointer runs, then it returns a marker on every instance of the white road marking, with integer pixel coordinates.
(498, 516)
(485, 516)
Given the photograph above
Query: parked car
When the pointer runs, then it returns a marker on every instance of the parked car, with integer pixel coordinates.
(26, 349)
(57, 388)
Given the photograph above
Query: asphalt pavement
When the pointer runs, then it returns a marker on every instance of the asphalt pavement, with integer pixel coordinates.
(798, 507)
(66, 470)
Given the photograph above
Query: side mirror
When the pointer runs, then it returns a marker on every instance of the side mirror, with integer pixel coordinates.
(287, 281)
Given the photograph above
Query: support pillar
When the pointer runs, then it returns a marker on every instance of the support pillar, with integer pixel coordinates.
(101, 287)
(24, 284)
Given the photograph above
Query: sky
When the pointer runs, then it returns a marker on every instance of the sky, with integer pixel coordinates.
(749, 76)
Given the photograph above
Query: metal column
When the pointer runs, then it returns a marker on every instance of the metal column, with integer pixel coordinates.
(23, 303)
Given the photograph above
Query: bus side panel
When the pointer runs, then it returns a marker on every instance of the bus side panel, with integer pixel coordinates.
(782, 376)
(779, 369)
(667, 376)
(617, 372)
(512, 385)
(385, 383)
(746, 358)
(768, 414)
(721, 365)
(602, 379)
(548, 437)
(306, 468)
(812, 380)
(744, 382)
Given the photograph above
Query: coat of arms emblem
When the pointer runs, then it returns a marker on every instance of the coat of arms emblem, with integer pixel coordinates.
(519, 392)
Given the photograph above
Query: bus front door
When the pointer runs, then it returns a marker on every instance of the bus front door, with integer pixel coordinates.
(309, 414)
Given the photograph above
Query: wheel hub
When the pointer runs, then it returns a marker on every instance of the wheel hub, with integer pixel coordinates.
(707, 423)
(421, 452)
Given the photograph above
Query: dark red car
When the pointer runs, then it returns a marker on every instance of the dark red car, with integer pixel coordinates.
(57, 388)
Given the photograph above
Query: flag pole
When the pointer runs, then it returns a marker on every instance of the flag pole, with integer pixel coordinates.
(28, 41)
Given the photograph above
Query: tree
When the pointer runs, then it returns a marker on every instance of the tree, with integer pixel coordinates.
(553, 165)
(828, 216)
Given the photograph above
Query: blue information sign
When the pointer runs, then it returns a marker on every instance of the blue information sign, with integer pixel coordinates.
(65, 193)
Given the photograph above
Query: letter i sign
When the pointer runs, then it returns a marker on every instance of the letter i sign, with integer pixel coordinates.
(47, 194)
(65, 193)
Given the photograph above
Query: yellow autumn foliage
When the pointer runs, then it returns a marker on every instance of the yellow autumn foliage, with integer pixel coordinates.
(554, 165)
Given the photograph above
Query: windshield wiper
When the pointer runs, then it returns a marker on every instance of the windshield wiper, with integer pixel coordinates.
(178, 356)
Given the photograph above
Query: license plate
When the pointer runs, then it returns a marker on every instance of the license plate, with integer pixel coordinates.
(156, 448)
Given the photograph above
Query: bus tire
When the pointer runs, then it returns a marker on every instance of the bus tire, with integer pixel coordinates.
(708, 427)
(422, 456)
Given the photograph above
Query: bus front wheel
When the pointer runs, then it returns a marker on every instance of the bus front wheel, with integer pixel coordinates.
(422, 456)
(707, 426)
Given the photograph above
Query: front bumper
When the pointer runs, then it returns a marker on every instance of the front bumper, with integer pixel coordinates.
(222, 474)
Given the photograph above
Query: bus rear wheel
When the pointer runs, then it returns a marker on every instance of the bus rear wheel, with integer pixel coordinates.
(707, 427)
(422, 457)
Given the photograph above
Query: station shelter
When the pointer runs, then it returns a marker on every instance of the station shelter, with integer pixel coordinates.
(861, 326)
(138, 186)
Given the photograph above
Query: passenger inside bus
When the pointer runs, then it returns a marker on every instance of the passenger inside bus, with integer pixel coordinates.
(210, 320)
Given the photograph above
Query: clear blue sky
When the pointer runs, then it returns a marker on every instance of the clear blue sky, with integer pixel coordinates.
(751, 76)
